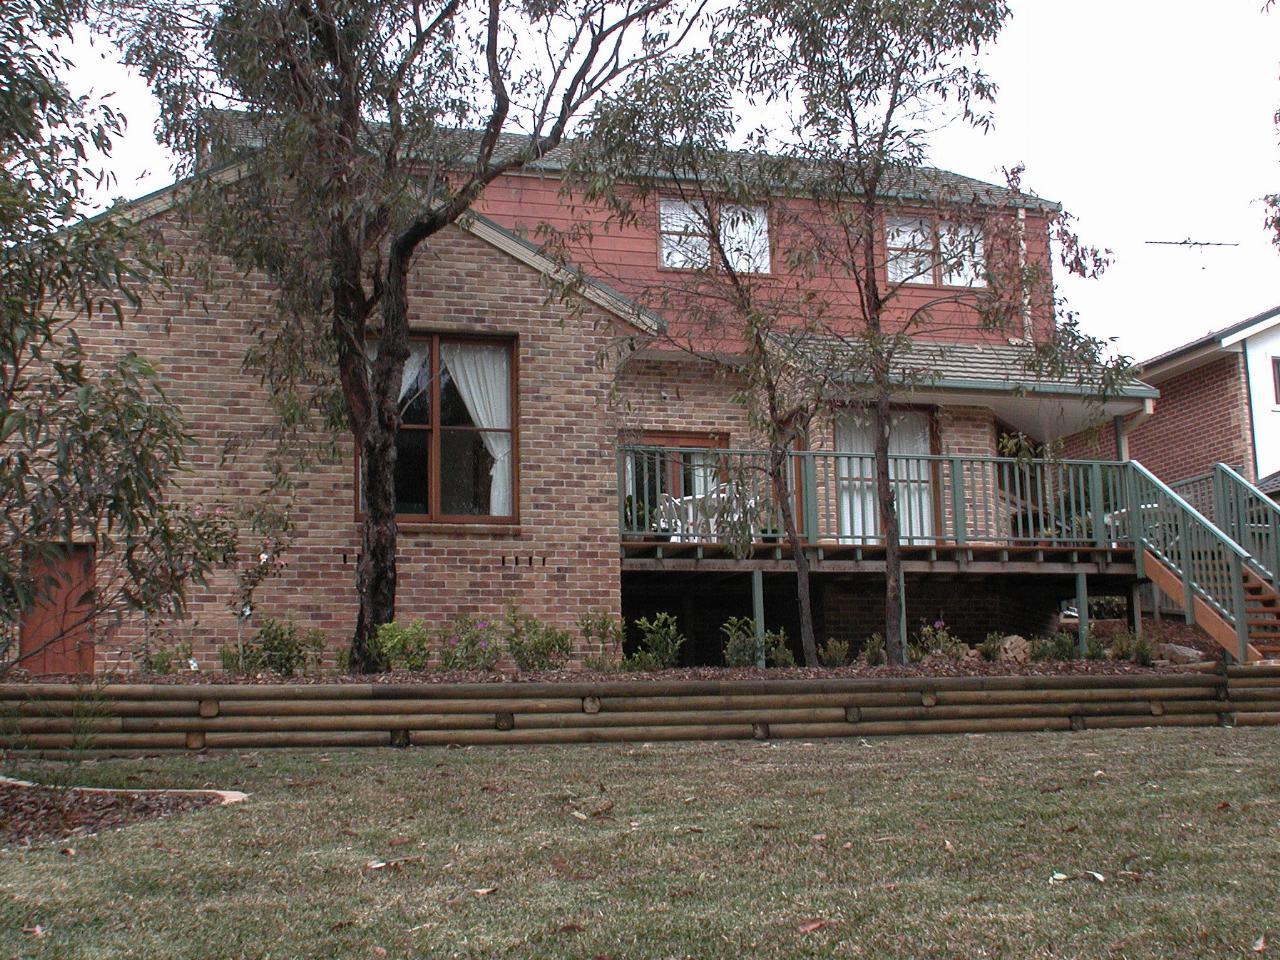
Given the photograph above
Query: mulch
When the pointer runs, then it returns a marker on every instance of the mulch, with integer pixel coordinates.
(30, 814)
(933, 667)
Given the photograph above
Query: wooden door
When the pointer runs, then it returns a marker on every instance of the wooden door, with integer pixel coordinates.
(56, 634)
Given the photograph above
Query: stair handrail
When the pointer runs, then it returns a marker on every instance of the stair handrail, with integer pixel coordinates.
(1236, 499)
(1173, 547)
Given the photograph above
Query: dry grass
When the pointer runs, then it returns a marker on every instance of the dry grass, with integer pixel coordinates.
(928, 847)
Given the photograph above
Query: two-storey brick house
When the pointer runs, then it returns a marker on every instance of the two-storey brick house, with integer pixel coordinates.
(559, 453)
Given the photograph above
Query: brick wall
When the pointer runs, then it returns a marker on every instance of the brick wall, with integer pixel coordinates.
(1201, 418)
(560, 561)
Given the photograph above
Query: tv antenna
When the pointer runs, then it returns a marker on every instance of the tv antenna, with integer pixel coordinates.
(1189, 243)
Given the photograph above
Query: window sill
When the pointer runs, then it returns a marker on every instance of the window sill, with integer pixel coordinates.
(459, 529)
(941, 287)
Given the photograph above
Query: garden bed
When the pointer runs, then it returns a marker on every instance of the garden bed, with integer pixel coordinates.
(30, 812)
(932, 667)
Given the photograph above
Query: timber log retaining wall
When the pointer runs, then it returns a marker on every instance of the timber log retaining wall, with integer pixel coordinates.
(118, 718)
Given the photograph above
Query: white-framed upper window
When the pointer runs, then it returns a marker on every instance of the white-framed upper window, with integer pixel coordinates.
(934, 253)
(684, 230)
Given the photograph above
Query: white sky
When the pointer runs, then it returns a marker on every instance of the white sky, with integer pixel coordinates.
(1148, 120)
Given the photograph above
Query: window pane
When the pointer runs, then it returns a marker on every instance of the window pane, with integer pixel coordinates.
(909, 244)
(963, 263)
(415, 385)
(475, 385)
(412, 453)
(682, 252)
(684, 241)
(475, 475)
(676, 216)
(744, 233)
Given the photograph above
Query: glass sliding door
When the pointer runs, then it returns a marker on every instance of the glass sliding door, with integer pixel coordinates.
(912, 478)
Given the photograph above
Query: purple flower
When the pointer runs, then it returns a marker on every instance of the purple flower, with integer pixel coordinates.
(453, 641)
(939, 624)
(482, 624)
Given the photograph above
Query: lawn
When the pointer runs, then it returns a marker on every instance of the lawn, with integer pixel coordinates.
(911, 847)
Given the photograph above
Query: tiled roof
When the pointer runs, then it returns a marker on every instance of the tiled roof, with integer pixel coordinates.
(1270, 485)
(1211, 337)
(906, 183)
(998, 368)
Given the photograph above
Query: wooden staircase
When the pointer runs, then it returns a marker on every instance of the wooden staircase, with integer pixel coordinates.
(1262, 604)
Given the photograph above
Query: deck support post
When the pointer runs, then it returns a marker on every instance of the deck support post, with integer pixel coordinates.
(902, 608)
(757, 612)
(1135, 608)
(1082, 610)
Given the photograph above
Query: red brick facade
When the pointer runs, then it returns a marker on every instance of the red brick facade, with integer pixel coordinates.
(1201, 418)
(561, 560)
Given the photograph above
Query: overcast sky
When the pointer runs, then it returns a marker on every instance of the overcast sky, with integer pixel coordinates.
(1147, 120)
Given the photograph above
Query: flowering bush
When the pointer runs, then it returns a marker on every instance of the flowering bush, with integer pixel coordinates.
(468, 644)
(402, 645)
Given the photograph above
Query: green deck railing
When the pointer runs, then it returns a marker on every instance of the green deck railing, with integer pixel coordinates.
(1250, 518)
(724, 496)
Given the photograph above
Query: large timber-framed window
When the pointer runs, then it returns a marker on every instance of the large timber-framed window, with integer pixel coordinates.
(939, 253)
(456, 454)
(684, 235)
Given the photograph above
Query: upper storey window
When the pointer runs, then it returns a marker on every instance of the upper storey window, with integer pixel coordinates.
(685, 236)
(934, 253)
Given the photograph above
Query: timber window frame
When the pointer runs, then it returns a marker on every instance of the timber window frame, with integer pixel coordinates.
(440, 408)
(926, 251)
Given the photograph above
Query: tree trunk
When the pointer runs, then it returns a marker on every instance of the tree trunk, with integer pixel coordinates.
(376, 568)
(888, 509)
(779, 463)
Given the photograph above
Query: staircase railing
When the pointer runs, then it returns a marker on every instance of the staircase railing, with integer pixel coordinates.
(1210, 564)
(1250, 518)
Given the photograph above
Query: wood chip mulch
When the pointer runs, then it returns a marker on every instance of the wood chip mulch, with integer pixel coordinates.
(35, 813)
(934, 667)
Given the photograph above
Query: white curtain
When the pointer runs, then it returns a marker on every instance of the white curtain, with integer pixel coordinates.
(912, 479)
(416, 378)
(482, 374)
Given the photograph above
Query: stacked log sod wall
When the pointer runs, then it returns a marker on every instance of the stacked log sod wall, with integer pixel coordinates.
(115, 718)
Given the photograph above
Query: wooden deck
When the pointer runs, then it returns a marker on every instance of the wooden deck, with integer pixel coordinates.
(975, 559)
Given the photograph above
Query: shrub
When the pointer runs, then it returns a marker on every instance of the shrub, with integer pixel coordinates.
(282, 648)
(936, 640)
(534, 645)
(279, 646)
(1060, 646)
(1094, 648)
(873, 650)
(162, 660)
(468, 644)
(1126, 646)
(740, 647)
(660, 643)
(989, 649)
(834, 653)
(403, 645)
(602, 630)
(777, 652)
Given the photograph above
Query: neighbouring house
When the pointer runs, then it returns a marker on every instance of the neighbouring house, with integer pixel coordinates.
(1219, 403)
(560, 455)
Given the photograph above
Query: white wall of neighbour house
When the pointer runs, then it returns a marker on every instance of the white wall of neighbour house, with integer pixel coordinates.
(1261, 351)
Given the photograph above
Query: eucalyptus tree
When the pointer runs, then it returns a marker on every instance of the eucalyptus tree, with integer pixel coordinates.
(358, 131)
(90, 450)
(819, 113)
